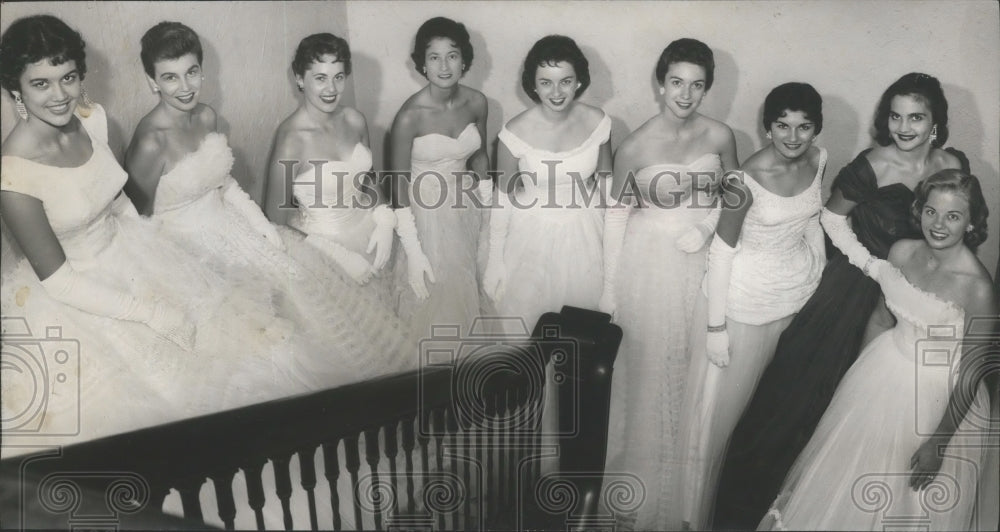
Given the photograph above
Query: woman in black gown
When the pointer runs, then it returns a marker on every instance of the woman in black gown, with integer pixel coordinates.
(823, 340)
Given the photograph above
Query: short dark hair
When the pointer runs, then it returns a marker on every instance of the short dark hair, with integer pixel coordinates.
(550, 50)
(793, 96)
(314, 47)
(923, 87)
(165, 41)
(687, 51)
(966, 184)
(437, 28)
(32, 39)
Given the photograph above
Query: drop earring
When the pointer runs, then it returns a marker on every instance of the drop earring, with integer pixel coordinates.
(22, 111)
(768, 135)
(934, 134)
(87, 102)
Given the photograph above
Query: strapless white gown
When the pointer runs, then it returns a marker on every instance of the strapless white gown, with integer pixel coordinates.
(657, 287)
(854, 473)
(336, 332)
(448, 224)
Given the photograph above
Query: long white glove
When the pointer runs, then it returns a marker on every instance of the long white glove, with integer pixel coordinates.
(381, 239)
(353, 263)
(416, 262)
(720, 268)
(842, 236)
(89, 295)
(495, 276)
(615, 223)
(236, 197)
(699, 234)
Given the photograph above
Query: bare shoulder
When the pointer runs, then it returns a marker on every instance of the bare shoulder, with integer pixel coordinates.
(20, 144)
(409, 115)
(476, 99)
(590, 116)
(206, 116)
(148, 140)
(902, 250)
(945, 159)
(523, 122)
(355, 119)
(289, 137)
(718, 132)
(977, 286)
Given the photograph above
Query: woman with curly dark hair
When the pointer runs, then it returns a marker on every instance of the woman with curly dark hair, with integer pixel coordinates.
(875, 191)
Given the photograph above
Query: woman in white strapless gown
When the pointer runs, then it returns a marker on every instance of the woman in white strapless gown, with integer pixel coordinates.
(125, 316)
(650, 284)
(764, 263)
(438, 153)
(907, 442)
(332, 331)
(545, 237)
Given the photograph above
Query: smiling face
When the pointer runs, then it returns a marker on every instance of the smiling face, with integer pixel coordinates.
(323, 83)
(910, 122)
(945, 218)
(443, 62)
(50, 92)
(556, 85)
(178, 81)
(792, 134)
(684, 88)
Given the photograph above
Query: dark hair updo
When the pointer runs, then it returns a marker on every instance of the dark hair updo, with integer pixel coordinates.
(687, 51)
(923, 87)
(441, 28)
(793, 96)
(166, 41)
(314, 47)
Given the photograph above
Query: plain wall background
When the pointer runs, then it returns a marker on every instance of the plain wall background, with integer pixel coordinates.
(849, 50)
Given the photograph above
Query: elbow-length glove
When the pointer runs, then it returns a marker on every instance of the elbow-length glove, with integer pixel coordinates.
(89, 295)
(842, 236)
(356, 266)
(235, 196)
(495, 276)
(813, 235)
(615, 223)
(720, 268)
(381, 240)
(416, 262)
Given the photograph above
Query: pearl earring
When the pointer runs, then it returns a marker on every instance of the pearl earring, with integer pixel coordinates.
(768, 135)
(663, 91)
(22, 111)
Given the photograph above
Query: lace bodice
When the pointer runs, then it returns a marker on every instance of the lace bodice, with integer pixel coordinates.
(778, 265)
(77, 201)
(199, 174)
(333, 199)
(559, 178)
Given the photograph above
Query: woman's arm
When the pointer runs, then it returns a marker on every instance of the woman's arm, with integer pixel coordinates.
(619, 206)
(495, 275)
(30, 228)
(736, 201)
(727, 151)
(400, 151)
(144, 164)
(282, 164)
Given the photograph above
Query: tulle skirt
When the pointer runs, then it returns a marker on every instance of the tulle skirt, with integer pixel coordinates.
(84, 376)
(854, 474)
(553, 258)
(714, 400)
(657, 287)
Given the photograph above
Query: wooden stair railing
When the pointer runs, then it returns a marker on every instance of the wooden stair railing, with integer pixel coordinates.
(449, 446)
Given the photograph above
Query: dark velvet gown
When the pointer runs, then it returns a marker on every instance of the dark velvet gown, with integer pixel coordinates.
(813, 353)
